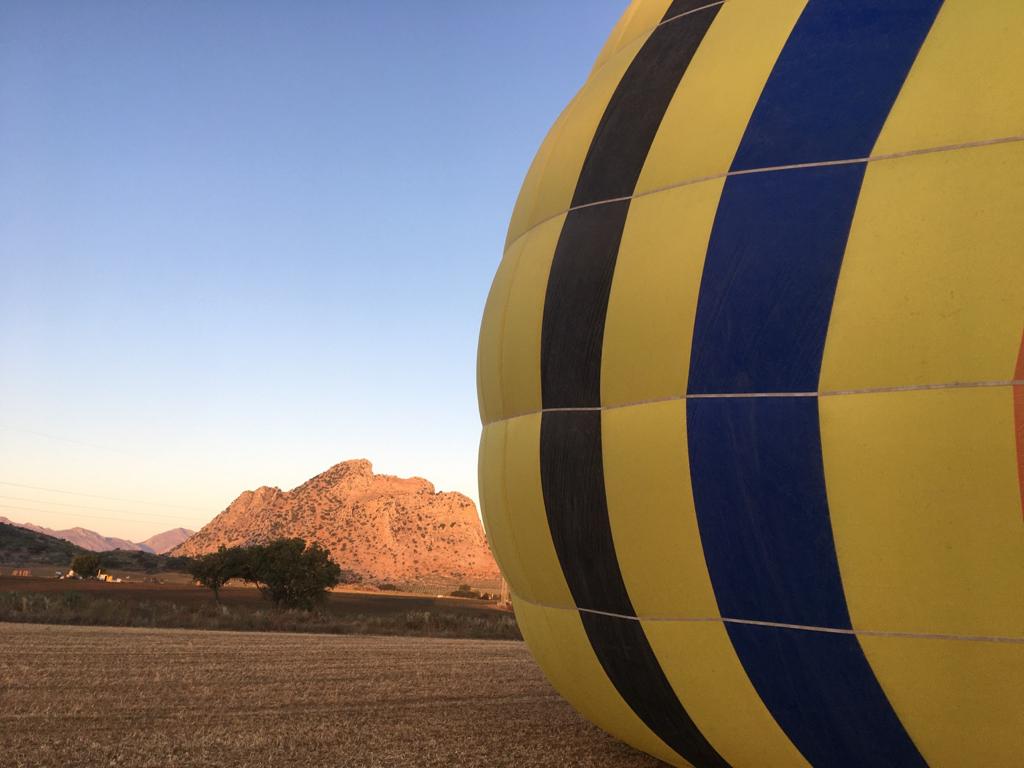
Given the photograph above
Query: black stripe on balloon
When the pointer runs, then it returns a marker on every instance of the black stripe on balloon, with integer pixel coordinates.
(584, 261)
(572, 475)
(679, 7)
(763, 312)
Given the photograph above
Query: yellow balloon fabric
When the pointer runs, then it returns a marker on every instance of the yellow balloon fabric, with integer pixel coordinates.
(752, 385)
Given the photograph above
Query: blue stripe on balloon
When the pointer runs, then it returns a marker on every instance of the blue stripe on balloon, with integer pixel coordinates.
(762, 317)
(770, 278)
(835, 81)
(848, 722)
(763, 511)
(759, 489)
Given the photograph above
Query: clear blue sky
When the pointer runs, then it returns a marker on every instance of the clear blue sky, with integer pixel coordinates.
(243, 241)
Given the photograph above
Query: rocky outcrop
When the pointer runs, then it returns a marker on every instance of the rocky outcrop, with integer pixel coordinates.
(380, 527)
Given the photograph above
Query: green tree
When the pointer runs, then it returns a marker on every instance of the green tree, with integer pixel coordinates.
(214, 570)
(291, 573)
(87, 565)
(245, 563)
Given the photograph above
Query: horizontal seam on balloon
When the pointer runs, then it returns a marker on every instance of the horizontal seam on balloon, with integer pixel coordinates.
(780, 625)
(750, 395)
(670, 19)
(770, 169)
(646, 32)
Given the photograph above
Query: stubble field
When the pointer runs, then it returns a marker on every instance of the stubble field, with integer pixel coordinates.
(154, 698)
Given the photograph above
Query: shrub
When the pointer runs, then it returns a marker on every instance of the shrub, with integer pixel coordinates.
(465, 590)
(87, 565)
(85, 608)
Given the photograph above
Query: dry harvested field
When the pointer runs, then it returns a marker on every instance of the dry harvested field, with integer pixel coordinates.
(154, 698)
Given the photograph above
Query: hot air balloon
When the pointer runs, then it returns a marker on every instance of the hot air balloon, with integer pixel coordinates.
(752, 386)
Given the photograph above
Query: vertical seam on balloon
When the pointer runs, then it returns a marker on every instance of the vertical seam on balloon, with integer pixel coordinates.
(1018, 408)
(554, 137)
(571, 477)
(504, 326)
(499, 407)
(526, 572)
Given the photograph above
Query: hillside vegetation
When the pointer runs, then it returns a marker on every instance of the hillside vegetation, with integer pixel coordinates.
(24, 547)
(20, 546)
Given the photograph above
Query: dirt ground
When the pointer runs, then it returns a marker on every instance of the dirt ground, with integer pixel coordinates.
(141, 698)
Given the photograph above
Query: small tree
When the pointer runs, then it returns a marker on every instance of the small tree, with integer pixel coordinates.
(293, 574)
(86, 565)
(214, 570)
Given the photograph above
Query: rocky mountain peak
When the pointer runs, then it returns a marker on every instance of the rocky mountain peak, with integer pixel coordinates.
(382, 527)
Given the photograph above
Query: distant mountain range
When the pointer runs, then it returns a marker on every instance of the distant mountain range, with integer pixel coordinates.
(95, 542)
(22, 547)
(380, 527)
(164, 542)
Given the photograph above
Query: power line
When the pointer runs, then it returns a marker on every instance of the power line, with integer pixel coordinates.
(65, 440)
(56, 512)
(83, 506)
(97, 496)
